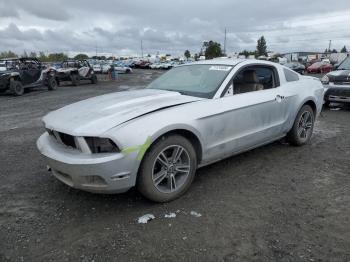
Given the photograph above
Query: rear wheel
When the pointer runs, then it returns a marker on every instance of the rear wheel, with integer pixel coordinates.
(52, 84)
(75, 79)
(94, 79)
(168, 169)
(16, 88)
(303, 127)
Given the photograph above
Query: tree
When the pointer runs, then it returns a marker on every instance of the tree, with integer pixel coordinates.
(57, 57)
(42, 56)
(187, 54)
(261, 48)
(247, 53)
(81, 56)
(344, 50)
(32, 54)
(196, 57)
(24, 54)
(213, 49)
(8, 54)
(334, 51)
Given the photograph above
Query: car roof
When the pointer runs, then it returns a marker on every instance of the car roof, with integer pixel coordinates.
(19, 58)
(232, 62)
(220, 61)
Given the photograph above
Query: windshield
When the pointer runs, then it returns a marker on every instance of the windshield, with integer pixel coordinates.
(194, 80)
(345, 65)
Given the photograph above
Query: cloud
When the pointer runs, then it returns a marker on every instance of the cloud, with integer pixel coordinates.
(245, 38)
(170, 26)
(6, 11)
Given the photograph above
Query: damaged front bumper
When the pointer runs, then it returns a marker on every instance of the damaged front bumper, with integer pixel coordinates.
(97, 173)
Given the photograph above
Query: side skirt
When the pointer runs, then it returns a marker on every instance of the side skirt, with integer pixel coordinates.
(240, 151)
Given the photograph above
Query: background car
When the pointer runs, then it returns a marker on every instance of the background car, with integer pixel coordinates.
(319, 67)
(121, 67)
(337, 84)
(296, 66)
(142, 64)
(97, 68)
(18, 74)
(75, 71)
(191, 116)
(105, 68)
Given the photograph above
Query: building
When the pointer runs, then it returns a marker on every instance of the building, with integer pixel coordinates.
(304, 56)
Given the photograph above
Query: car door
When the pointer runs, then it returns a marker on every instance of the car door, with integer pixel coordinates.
(35, 71)
(30, 72)
(241, 121)
(24, 73)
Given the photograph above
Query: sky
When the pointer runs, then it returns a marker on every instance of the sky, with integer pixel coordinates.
(117, 27)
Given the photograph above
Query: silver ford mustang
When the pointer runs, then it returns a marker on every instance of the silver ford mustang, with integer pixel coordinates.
(191, 116)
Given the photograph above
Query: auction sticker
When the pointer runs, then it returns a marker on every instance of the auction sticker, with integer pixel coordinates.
(220, 68)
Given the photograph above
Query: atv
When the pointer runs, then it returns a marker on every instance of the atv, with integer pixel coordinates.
(74, 71)
(18, 74)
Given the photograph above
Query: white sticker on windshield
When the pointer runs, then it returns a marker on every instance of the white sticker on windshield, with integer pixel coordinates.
(220, 68)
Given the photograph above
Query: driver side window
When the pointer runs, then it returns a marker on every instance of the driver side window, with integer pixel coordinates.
(252, 79)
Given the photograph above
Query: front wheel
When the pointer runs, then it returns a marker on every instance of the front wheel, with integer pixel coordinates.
(16, 88)
(303, 127)
(168, 169)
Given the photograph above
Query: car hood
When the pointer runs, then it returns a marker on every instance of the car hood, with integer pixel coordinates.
(94, 116)
(339, 76)
(7, 72)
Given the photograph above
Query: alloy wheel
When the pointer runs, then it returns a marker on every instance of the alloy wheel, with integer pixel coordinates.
(305, 125)
(171, 169)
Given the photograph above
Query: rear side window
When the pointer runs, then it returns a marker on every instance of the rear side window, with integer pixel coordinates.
(290, 75)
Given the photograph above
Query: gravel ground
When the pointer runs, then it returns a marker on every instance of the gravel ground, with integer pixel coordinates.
(275, 203)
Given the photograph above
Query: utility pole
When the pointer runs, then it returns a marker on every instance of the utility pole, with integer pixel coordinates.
(329, 47)
(225, 43)
(141, 49)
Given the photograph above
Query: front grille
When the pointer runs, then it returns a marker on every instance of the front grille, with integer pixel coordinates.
(342, 83)
(338, 92)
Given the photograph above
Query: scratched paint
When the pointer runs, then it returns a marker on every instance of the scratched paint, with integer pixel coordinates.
(141, 149)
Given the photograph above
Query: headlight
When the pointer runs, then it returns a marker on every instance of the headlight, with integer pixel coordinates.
(101, 145)
(325, 79)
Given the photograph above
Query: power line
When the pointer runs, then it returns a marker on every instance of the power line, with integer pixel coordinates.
(141, 49)
(225, 43)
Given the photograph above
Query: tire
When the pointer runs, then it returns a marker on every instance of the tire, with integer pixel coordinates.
(52, 84)
(163, 189)
(75, 79)
(94, 79)
(303, 126)
(127, 71)
(16, 88)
